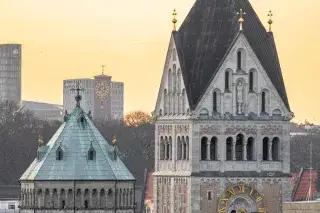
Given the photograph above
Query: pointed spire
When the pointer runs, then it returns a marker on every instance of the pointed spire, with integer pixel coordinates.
(174, 20)
(241, 20)
(270, 22)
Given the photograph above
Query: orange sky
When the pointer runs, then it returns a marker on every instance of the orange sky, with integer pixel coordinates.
(71, 39)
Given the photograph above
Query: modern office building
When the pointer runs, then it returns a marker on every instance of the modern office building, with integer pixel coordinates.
(10, 72)
(100, 95)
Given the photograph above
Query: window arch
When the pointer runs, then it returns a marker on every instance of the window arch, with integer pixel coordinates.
(239, 147)
(250, 149)
(213, 148)
(239, 60)
(229, 147)
(183, 107)
(59, 153)
(179, 80)
(91, 154)
(265, 149)
(251, 81)
(174, 79)
(165, 101)
(275, 149)
(204, 142)
(170, 80)
(226, 80)
(204, 113)
(215, 102)
(263, 102)
(162, 148)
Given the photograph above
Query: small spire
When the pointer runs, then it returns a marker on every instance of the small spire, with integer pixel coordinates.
(103, 66)
(114, 140)
(270, 22)
(241, 20)
(174, 20)
(40, 140)
(78, 96)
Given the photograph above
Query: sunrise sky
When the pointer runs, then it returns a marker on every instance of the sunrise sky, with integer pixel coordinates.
(71, 38)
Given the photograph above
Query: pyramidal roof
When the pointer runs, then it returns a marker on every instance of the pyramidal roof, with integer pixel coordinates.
(206, 35)
(75, 137)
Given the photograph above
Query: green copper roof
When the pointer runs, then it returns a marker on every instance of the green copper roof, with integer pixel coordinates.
(76, 136)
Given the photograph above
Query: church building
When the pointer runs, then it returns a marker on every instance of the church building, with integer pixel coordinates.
(222, 137)
(77, 171)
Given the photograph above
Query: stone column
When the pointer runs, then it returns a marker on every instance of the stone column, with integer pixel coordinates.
(81, 199)
(170, 150)
(245, 150)
(58, 201)
(67, 199)
(208, 150)
(187, 150)
(234, 97)
(90, 199)
(98, 199)
(269, 150)
(234, 149)
(182, 150)
(51, 198)
(165, 150)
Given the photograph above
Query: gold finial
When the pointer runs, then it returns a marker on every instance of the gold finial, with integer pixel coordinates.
(40, 140)
(102, 66)
(174, 20)
(114, 139)
(241, 20)
(270, 22)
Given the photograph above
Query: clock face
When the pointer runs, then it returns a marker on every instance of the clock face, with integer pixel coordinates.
(102, 90)
(233, 199)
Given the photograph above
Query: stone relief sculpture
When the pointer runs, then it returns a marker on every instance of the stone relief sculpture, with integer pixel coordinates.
(239, 97)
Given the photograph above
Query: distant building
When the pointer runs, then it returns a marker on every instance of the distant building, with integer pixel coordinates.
(45, 111)
(78, 171)
(10, 72)
(9, 198)
(101, 96)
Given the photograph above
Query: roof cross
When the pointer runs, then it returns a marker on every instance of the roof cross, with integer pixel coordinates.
(174, 20)
(78, 96)
(103, 66)
(241, 20)
(270, 22)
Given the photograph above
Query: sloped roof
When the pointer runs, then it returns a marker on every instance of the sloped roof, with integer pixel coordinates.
(205, 36)
(76, 138)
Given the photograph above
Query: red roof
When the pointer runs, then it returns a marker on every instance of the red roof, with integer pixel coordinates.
(302, 187)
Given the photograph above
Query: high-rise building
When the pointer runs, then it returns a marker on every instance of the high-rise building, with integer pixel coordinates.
(10, 72)
(103, 97)
(222, 129)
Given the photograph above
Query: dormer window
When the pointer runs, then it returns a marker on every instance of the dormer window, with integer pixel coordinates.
(226, 81)
(91, 154)
(59, 154)
(250, 81)
(239, 58)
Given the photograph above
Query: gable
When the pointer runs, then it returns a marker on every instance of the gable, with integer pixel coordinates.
(205, 36)
(245, 85)
(172, 97)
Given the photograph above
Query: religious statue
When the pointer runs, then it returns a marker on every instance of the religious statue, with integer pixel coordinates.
(239, 97)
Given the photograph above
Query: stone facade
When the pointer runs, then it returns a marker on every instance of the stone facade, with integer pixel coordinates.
(232, 151)
(53, 196)
(301, 207)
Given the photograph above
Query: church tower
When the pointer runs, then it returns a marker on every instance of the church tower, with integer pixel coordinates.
(222, 138)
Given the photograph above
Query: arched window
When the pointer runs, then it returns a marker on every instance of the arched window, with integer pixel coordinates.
(204, 113)
(215, 102)
(226, 81)
(169, 81)
(263, 102)
(213, 148)
(250, 81)
(179, 148)
(204, 141)
(239, 147)
(275, 148)
(174, 79)
(250, 149)
(91, 154)
(59, 154)
(162, 148)
(179, 80)
(209, 196)
(239, 58)
(165, 102)
(265, 151)
(229, 148)
(183, 107)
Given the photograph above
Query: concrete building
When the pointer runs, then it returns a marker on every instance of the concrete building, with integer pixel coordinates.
(45, 111)
(77, 171)
(103, 97)
(9, 198)
(222, 131)
(10, 72)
